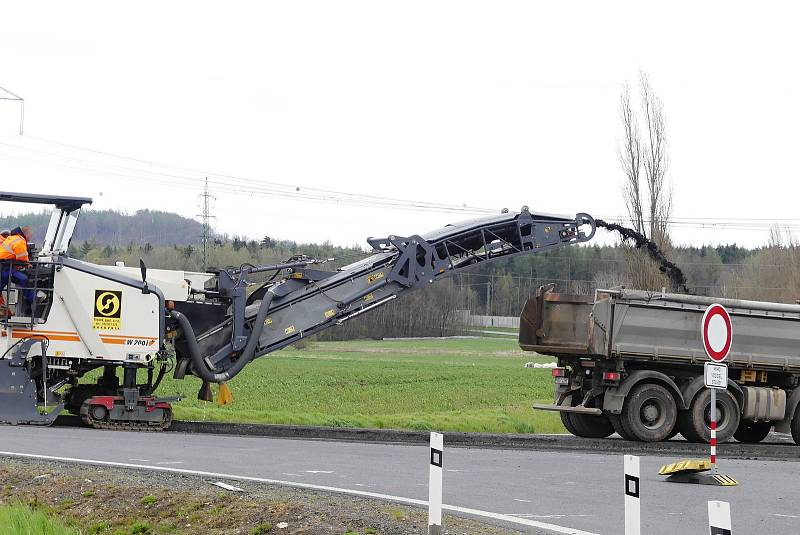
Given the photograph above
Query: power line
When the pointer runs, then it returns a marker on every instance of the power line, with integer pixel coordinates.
(175, 176)
(297, 194)
(319, 196)
(248, 182)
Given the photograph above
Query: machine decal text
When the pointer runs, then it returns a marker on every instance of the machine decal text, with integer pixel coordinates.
(107, 310)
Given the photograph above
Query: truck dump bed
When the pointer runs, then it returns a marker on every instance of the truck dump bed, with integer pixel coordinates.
(655, 326)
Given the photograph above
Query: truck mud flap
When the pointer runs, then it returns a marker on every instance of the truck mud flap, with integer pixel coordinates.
(18, 397)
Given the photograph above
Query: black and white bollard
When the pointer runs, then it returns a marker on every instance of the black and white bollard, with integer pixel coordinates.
(435, 486)
(719, 518)
(632, 506)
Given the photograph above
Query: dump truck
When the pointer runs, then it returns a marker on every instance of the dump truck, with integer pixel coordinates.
(101, 338)
(631, 362)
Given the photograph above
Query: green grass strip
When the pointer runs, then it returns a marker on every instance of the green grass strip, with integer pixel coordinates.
(470, 385)
(22, 520)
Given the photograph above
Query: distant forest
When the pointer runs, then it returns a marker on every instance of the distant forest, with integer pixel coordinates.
(167, 240)
(110, 227)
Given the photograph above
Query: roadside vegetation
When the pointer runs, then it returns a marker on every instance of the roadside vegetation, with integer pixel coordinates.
(19, 519)
(44, 498)
(477, 384)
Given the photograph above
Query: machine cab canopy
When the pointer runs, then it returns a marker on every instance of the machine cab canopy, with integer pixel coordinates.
(62, 221)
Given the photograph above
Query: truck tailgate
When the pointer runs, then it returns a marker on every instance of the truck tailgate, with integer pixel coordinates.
(556, 324)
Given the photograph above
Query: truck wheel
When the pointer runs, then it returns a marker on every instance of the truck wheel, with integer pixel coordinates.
(796, 426)
(685, 426)
(586, 426)
(695, 423)
(566, 417)
(616, 422)
(589, 426)
(752, 432)
(649, 413)
(567, 421)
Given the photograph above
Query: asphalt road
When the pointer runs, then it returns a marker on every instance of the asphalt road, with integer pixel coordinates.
(582, 491)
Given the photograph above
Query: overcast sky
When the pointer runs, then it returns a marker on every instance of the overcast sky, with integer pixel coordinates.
(483, 104)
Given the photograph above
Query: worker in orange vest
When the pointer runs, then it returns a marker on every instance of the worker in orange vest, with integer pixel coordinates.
(13, 255)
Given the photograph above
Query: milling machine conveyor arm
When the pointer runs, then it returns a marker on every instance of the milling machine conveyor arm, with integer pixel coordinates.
(308, 300)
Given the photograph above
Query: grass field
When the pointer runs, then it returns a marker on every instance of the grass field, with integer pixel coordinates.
(452, 385)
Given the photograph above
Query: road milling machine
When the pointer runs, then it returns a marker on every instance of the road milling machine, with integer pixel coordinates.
(142, 323)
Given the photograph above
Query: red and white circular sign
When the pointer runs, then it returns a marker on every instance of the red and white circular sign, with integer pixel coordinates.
(717, 332)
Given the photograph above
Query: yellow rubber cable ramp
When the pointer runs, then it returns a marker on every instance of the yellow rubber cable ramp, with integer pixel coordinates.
(696, 472)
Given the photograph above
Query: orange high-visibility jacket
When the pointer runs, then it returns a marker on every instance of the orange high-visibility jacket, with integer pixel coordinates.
(15, 247)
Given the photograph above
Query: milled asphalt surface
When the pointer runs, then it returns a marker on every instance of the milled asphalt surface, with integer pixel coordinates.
(776, 446)
(577, 490)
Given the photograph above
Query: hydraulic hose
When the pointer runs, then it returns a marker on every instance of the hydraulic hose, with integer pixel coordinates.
(245, 356)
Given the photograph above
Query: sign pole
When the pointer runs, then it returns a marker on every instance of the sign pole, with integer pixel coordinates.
(713, 441)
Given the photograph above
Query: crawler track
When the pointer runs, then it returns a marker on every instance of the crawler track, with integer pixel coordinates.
(120, 425)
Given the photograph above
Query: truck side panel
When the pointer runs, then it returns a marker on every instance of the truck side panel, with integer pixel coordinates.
(663, 327)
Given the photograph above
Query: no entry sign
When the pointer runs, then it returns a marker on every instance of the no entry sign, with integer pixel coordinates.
(717, 332)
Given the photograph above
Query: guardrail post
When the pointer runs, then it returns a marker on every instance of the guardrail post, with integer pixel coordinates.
(435, 485)
(632, 518)
(719, 518)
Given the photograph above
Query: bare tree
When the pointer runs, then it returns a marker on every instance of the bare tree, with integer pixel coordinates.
(655, 161)
(648, 198)
(630, 157)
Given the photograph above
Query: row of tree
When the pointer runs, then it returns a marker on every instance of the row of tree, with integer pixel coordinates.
(500, 287)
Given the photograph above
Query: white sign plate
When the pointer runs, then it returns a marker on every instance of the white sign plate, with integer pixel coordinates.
(715, 375)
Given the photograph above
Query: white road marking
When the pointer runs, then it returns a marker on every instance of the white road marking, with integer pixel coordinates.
(526, 515)
(294, 475)
(785, 516)
(523, 501)
(399, 499)
(140, 460)
(454, 470)
(170, 462)
(319, 471)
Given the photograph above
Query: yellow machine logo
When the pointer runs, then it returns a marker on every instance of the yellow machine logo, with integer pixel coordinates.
(107, 310)
(375, 276)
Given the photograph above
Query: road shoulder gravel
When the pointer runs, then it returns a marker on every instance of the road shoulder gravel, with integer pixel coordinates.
(114, 500)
